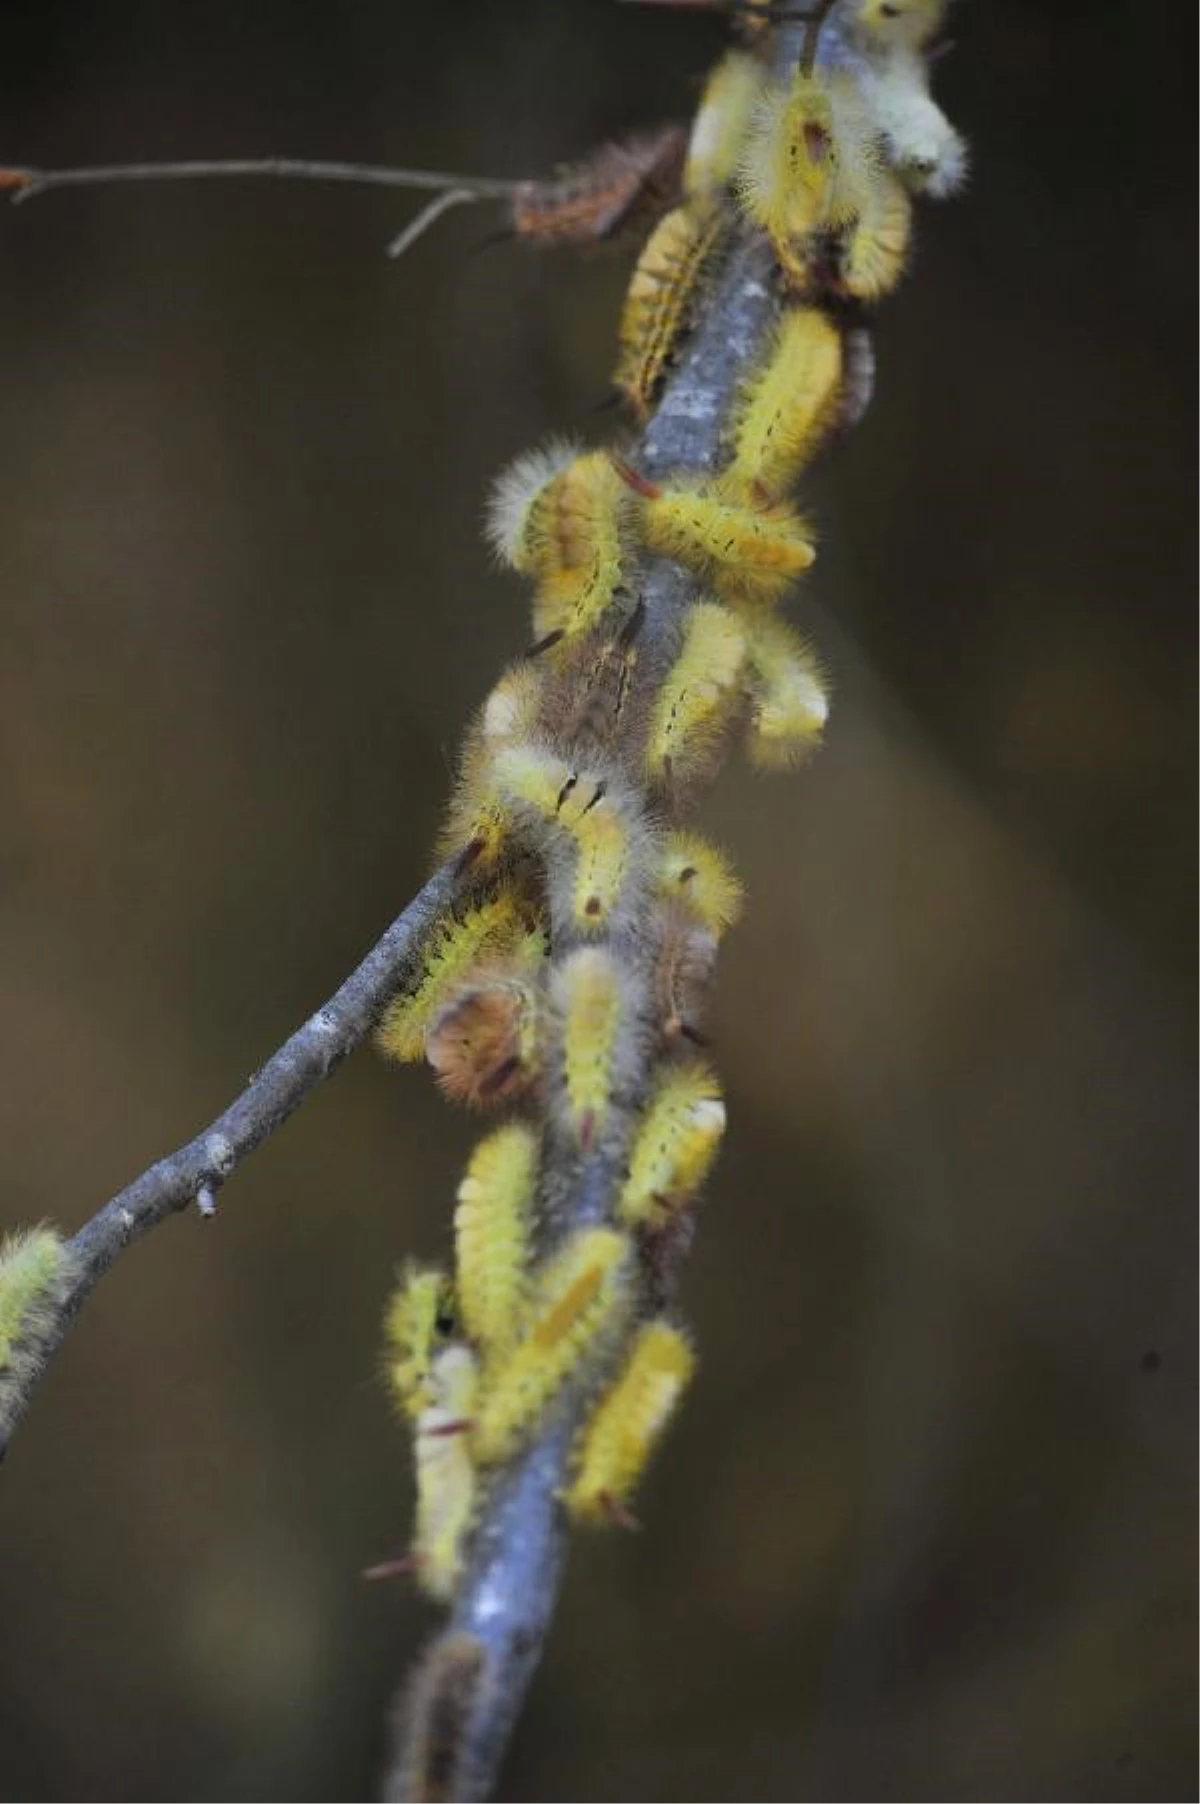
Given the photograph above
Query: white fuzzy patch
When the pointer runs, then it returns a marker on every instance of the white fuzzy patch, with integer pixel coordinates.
(514, 492)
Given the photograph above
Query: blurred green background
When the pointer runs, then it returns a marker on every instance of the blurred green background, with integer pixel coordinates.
(925, 1527)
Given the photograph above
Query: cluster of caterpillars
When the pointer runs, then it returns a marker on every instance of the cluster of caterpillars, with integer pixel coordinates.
(567, 986)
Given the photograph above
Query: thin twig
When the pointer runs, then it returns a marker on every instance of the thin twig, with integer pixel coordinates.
(454, 197)
(196, 1171)
(27, 184)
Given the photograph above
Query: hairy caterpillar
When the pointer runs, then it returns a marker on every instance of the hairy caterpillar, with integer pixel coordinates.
(721, 124)
(597, 1036)
(596, 198)
(484, 1044)
(453, 949)
(697, 697)
(750, 548)
(789, 403)
(695, 873)
(628, 1424)
(556, 515)
(582, 1292)
(435, 1379)
(791, 702)
(591, 813)
(444, 1693)
(658, 301)
(491, 1228)
(675, 1145)
(36, 1268)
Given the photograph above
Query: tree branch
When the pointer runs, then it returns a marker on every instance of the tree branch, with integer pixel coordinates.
(196, 1171)
(506, 1602)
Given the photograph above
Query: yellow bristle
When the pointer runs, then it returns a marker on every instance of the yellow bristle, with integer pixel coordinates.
(421, 1317)
(790, 403)
(594, 1031)
(809, 166)
(491, 1228)
(445, 1473)
(659, 299)
(585, 812)
(581, 1294)
(785, 168)
(791, 702)
(603, 866)
(876, 248)
(454, 947)
(721, 124)
(575, 546)
(556, 516)
(36, 1269)
(701, 877)
(675, 1145)
(698, 695)
(750, 551)
(628, 1424)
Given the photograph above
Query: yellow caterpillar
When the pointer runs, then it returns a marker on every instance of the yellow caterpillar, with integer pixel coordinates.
(815, 178)
(790, 403)
(421, 1318)
(697, 698)
(701, 897)
(658, 301)
(593, 815)
(749, 547)
(675, 1145)
(491, 1228)
(627, 1425)
(720, 126)
(582, 1292)
(556, 515)
(597, 1031)
(694, 872)
(452, 950)
(478, 827)
(435, 1379)
(791, 701)
(36, 1268)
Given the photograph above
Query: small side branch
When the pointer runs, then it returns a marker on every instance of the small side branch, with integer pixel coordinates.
(195, 1173)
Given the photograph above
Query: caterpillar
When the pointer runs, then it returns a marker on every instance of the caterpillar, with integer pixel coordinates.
(582, 1293)
(628, 1424)
(659, 299)
(697, 697)
(675, 1145)
(589, 812)
(750, 548)
(556, 515)
(721, 124)
(593, 200)
(484, 1044)
(36, 1268)
(791, 702)
(789, 403)
(597, 1036)
(453, 949)
(434, 1377)
(492, 1230)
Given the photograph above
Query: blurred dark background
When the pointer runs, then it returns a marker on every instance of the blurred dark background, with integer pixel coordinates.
(925, 1528)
